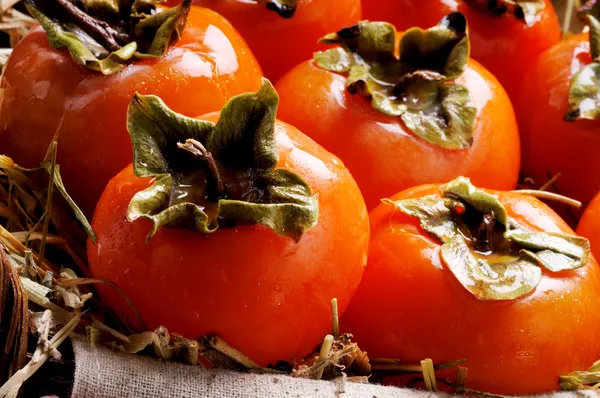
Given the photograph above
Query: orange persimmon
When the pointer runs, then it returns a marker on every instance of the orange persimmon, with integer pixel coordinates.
(511, 291)
(259, 229)
(387, 152)
(589, 225)
(207, 65)
(284, 33)
(559, 119)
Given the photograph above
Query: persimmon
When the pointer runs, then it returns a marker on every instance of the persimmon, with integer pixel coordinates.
(428, 116)
(589, 225)
(496, 278)
(245, 228)
(506, 36)
(559, 112)
(284, 33)
(83, 97)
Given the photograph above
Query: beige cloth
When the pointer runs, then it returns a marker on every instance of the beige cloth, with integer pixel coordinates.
(101, 373)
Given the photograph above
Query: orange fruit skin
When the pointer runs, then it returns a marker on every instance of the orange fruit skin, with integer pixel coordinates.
(410, 306)
(550, 144)
(382, 154)
(504, 45)
(43, 89)
(262, 293)
(278, 43)
(589, 225)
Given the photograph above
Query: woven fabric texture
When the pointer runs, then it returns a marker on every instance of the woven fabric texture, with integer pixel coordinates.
(101, 373)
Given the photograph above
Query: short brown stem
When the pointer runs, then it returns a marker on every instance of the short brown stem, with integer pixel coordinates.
(100, 31)
(486, 228)
(497, 8)
(285, 8)
(213, 177)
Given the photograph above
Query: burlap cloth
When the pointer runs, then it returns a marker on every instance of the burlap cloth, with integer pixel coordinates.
(100, 372)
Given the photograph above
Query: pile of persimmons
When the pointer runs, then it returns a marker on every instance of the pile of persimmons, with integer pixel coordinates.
(365, 152)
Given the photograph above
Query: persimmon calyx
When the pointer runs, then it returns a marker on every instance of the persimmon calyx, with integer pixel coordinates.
(284, 8)
(527, 11)
(584, 91)
(211, 175)
(134, 31)
(511, 266)
(419, 85)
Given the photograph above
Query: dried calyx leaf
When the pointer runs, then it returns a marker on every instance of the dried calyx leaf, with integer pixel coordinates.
(210, 175)
(584, 91)
(418, 86)
(493, 256)
(581, 380)
(527, 11)
(284, 8)
(105, 35)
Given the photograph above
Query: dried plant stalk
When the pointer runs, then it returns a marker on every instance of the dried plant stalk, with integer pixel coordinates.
(14, 318)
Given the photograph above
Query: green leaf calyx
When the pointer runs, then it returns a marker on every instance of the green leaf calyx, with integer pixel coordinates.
(584, 89)
(492, 256)
(105, 35)
(209, 176)
(418, 86)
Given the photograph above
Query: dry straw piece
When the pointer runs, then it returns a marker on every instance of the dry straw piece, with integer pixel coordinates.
(46, 289)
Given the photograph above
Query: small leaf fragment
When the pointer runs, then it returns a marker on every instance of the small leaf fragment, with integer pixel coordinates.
(288, 208)
(336, 60)
(462, 188)
(163, 27)
(443, 48)
(554, 251)
(138, 342)
(153, 203)
(244, 137)
(435, 214)
(584, 94)
(508, 279)
(449, 126)
(584, 89)
(58, 183)
(148, 120)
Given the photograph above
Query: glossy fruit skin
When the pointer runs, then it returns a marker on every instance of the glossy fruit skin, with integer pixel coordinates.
(410, 306)
(278, 43)
(504, 45)
(550, 144)
(589, 225)
(262, 293)
(41, 85)
(382, 154)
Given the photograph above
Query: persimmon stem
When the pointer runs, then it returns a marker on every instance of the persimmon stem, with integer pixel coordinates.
(497, 8)
(550, 196)
(98, 30)
(213, 177)
(486, 228)
(285, 9)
